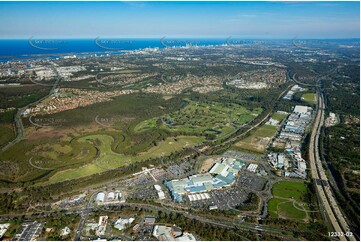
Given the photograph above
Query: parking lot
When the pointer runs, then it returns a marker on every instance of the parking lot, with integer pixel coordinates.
(29, 231)
(223, 199)
(249, 181)
(228, 198)
(240, 155)
(181, 170)
(147, 192)
(141, 180)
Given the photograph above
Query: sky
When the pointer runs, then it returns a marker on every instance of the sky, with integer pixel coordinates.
(179, 19)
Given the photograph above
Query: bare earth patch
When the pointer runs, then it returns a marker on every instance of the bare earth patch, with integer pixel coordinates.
(208, 163)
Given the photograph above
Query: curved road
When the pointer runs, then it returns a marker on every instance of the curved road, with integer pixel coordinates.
(18, 121)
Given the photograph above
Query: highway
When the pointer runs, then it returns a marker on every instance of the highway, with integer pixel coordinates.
(325, 195)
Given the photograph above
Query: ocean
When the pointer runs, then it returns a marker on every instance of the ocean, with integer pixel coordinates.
(32, 48)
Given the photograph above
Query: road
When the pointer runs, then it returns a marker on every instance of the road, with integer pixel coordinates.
(229, 224)
(319, 77)
(216, 221)
(325, 195)
(20, 131)
(84, 216)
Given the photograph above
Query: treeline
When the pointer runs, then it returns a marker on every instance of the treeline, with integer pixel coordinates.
(313, 231)
(342, 151)
(342, 142)
(21, 96)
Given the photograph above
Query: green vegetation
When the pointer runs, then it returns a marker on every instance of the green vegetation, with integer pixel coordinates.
(287, 189)
(64, 149)
(6, 134)
(309, 98)
(212, 119)
(279, 116)
(250, 204)
(342, 150)
(341, 143)
(14, 227)
(21, 96)
(204, 230)
(288, 201)
(58, 222)
(258, 140)
(107, 159)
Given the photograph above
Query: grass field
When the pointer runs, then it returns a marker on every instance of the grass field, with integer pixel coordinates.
(287, 201)
(279, 116)
(286, 189)
(258, 140)
(309, 98)
(6, 134)
(107, 159)
(203, 118)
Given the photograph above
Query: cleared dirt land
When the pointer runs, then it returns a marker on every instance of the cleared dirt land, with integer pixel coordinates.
(258, 140)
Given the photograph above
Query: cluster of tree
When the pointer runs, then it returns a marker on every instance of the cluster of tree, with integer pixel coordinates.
(251, 203)
(57, 222)
(311, 231)
(21, 96)
(342, 151)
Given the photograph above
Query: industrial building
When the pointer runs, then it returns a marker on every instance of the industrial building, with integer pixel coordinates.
(109, 197)
(290, 93)
(290, 163)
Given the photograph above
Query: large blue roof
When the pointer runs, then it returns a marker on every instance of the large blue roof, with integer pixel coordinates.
(197, 189)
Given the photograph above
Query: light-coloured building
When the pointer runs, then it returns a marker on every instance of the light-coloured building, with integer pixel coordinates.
(100, 197)
(111, 196)
(65, 231)
(171, 233)
(3, 229)
(301, 109)
(121, 223)
(252, 167)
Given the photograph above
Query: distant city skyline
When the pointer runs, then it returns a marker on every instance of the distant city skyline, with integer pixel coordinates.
(266, 20)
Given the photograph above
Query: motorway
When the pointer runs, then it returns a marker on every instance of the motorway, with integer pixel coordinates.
(325, 195)
(318, 174)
